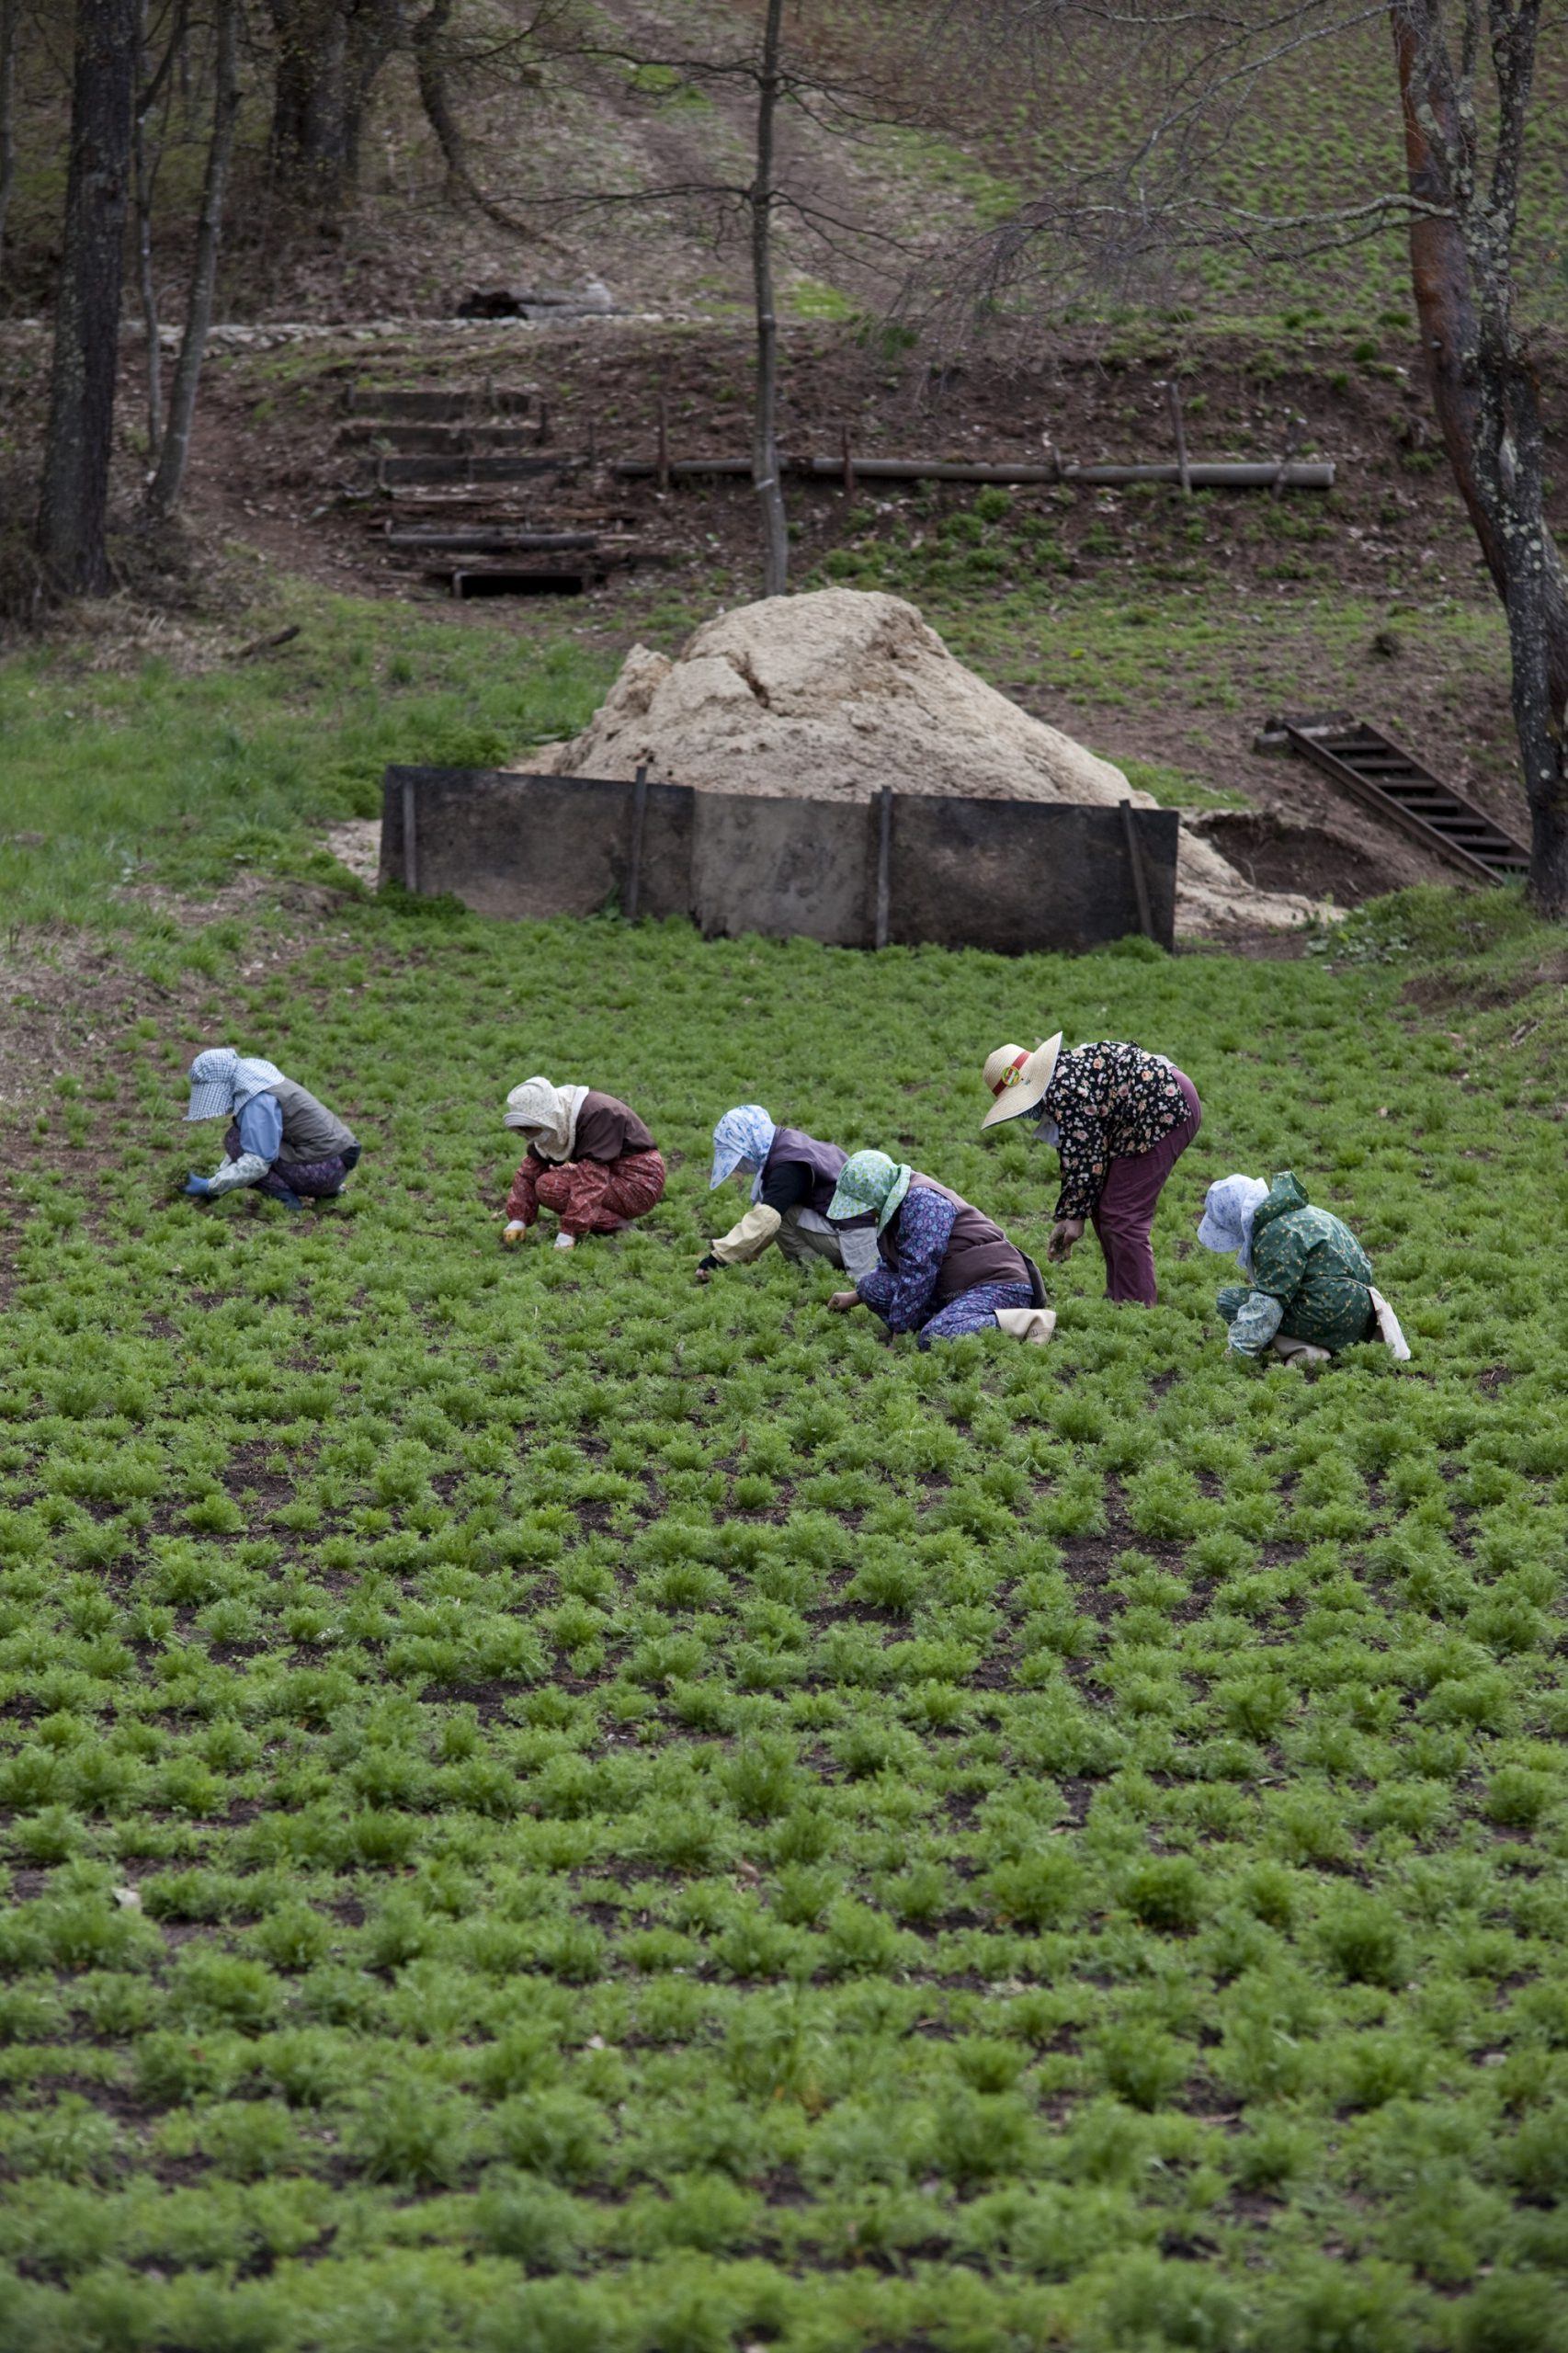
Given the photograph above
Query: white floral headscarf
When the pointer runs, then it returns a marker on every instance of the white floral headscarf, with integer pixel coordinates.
(1229, 1208)
(551, 1111)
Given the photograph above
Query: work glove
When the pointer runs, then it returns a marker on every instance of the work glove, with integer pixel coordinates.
(512, 1234)
(197, 1186)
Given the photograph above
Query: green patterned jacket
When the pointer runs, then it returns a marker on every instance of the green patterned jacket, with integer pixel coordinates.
(1310, 1278)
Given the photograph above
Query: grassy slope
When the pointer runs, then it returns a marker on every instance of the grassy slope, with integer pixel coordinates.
(117, 775)
(1319, 131)
(659, 1821)
(147, 775)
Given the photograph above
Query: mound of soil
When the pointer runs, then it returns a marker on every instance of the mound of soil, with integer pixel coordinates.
(831, 697)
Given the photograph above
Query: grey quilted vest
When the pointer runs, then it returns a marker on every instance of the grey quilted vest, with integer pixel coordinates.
(310, 1131)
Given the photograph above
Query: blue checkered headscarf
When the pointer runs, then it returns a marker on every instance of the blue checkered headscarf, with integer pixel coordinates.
(222, 1081)
(743, 1139)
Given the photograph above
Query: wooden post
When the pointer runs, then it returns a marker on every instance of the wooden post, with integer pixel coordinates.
(410, 841)
(848, 465)
(1139, 879)
(1294, 440)
(634, 863)
(884, 863)
(662, 476)
(1173, 396)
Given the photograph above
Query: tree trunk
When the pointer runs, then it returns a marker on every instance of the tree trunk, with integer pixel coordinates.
(144, 173)
(10, 25)
(328, 55)
(1484, 393)
(80, 433)
(169, 480)
(308, 147)
(430, 72)
(765, 471)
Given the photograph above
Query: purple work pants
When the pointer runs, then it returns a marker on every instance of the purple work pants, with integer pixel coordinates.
(315, 1181)
(1125, 1210)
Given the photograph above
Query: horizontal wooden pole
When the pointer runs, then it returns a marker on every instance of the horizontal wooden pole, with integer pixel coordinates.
(1222, 476)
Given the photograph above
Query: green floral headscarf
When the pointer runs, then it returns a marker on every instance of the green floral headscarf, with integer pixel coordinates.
(869, 1182)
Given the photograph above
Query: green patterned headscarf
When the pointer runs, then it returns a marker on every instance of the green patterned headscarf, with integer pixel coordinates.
(869, 1184)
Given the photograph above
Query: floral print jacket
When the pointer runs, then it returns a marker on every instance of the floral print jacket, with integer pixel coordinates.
(1110, 1102)
(905, 1296)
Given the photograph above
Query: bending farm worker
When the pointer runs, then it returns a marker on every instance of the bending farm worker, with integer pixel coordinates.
(1121, 1120)
(590, 1159)
(279, 1140)
(790, 1178)
(942, 1268)
(1309, 1290)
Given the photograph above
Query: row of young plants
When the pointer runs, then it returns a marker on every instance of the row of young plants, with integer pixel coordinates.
(550, 1806)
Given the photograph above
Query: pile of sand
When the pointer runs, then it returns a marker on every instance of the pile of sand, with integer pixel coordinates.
(831, 697)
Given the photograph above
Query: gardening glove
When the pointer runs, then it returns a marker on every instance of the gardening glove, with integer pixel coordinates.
(290, 1200)
(512, 1234)
(197, 1186)
(1063, 1234)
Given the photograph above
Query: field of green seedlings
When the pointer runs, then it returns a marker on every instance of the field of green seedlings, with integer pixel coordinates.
(551, 1809)
(1319, 132)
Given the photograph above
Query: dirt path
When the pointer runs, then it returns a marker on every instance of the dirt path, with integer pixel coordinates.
(854, 217)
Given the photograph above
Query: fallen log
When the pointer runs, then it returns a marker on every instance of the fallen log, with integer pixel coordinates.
(1222, 476)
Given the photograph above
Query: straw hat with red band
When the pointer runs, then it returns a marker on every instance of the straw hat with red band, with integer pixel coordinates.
(1018, 1079)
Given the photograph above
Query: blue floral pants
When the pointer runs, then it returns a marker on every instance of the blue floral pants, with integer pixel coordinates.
(972, 1311)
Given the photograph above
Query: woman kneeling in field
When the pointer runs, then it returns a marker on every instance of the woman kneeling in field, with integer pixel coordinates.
(790, 1178)
(279, 1138)
(1308, 1291)
(590, 1159)
(943, 1269)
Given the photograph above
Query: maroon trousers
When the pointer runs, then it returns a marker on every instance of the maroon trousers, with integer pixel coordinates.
(589, 1196)
(1124, 1213)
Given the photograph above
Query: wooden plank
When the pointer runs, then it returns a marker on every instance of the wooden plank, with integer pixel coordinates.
(1139, 879)
(470, 469)
(639, 827)
(410, 850)
(433, 401)
(884, 864)
(481, 541)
